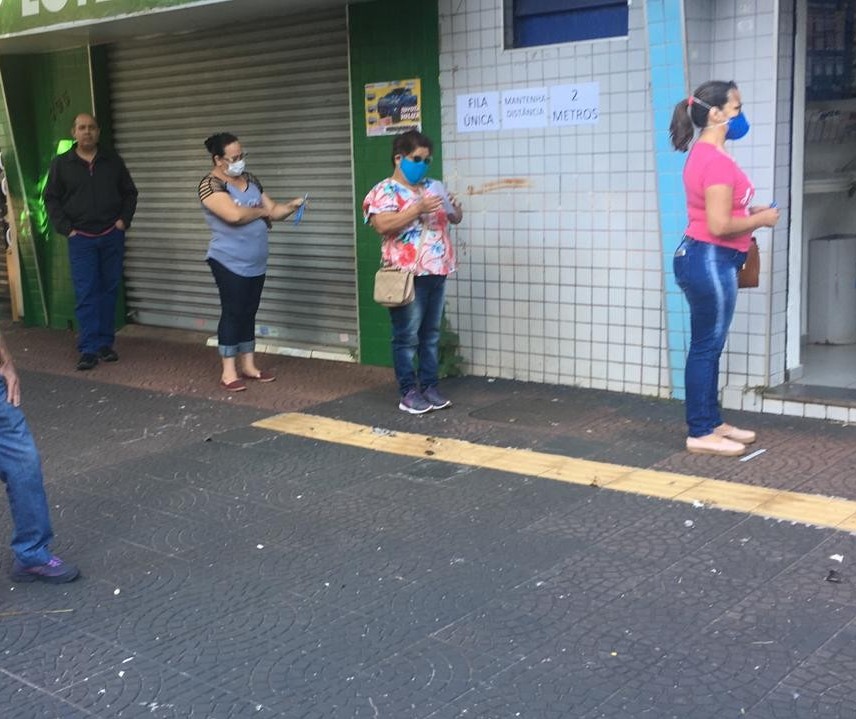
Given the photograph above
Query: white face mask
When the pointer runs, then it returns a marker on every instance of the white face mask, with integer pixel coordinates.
(236, 169)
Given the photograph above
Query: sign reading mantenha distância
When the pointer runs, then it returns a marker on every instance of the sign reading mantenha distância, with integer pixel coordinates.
(531, 107)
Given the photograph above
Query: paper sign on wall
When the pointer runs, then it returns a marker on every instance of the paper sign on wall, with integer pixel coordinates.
(575, 104)
(393, 107)
(525, 108)
(479, 112)
(532, 107)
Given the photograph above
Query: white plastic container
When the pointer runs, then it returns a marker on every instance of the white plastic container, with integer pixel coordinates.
(832, 290)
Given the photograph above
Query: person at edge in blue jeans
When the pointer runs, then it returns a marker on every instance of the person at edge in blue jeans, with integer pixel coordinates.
(412, 213)
(239, 214)
(91, 198)
(712, 251)
(21, 472)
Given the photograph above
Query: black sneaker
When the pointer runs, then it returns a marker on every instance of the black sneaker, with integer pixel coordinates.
(108, 354)
(87, 361)
(56, 571)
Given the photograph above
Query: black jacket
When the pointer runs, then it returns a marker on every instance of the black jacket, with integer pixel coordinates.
(90, 198)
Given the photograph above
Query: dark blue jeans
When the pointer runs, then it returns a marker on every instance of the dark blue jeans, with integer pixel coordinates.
(707, 274)
(21, 472)
(239, 301)
(416, 334)
(96, 271)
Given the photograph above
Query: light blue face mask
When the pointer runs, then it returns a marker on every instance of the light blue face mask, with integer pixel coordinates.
(414, 171)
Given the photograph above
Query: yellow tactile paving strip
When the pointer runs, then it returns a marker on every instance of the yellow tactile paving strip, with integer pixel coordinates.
(762, 501)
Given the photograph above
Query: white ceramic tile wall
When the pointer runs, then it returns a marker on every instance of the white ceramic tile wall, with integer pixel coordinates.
(559, 280)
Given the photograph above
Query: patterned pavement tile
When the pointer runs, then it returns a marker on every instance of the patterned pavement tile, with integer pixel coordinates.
(178, 498)
(807, 576)
(22, 629)
(677, 533)
(535, 688)
(150, 623)
(424, 677)
(433, 472)
(290, 456)
(290, 675)
(804, 625)
(822, 686)
(445, 596)
(669, 608)
(65, 659)
(156, 530)
(140, 688)
(21, 700)
(756, 550)
(835, 478)
(601, 514)
(526, 618)
(718, 672)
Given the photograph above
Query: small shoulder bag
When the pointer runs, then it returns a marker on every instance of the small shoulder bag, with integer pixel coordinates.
(394, 287)
(748, 275)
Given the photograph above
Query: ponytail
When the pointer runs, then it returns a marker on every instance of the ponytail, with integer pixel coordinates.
(681, 129)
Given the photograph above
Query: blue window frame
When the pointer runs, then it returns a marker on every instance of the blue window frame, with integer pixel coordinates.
(546, 22)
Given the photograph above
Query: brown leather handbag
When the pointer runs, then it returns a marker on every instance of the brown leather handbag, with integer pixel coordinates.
(747, 276)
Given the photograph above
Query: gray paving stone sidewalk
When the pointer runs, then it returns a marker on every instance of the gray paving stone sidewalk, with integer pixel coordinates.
(234, 572)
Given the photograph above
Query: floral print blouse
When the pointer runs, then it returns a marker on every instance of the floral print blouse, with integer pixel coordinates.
(435, 254)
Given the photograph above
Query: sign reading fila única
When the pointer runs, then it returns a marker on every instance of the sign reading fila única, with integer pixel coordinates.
(25, 16)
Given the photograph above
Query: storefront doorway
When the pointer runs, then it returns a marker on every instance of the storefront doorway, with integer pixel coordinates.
(281, 85)
(828, 229)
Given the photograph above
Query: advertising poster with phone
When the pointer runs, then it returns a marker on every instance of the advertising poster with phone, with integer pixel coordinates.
(393, 107)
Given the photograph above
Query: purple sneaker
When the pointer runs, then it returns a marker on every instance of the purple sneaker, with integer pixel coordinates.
(437, 400)
(414, 403)
(55, 571)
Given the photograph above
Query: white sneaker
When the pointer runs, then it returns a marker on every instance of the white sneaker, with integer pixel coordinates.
(714, 444)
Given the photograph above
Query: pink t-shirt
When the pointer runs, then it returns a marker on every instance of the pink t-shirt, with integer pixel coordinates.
(707, 166)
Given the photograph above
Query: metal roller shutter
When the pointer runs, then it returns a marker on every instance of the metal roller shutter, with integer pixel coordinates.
(282, 87)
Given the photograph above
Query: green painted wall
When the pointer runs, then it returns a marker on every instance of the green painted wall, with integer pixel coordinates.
(389, 41)
(35, 308)
(27, 15)
(44, 93)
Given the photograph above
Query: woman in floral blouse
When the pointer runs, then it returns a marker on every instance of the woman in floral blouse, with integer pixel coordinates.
(412, 213)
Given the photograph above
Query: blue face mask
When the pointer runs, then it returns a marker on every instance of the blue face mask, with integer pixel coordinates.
(414, 171)
(738, 126)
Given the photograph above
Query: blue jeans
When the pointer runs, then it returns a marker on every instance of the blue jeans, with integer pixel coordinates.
(21, 472)
(416, 333)
(239, 301)
(707, 274)
(96, 271)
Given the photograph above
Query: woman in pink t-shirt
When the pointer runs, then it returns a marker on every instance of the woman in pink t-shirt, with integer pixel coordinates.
(721, 222)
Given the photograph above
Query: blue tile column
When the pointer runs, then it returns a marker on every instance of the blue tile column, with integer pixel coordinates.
(668, 86)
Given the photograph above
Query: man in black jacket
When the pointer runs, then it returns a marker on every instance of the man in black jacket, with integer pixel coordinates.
(91, 198)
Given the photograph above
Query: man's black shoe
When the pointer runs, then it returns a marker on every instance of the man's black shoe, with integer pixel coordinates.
(87, 361)
(108, 354)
